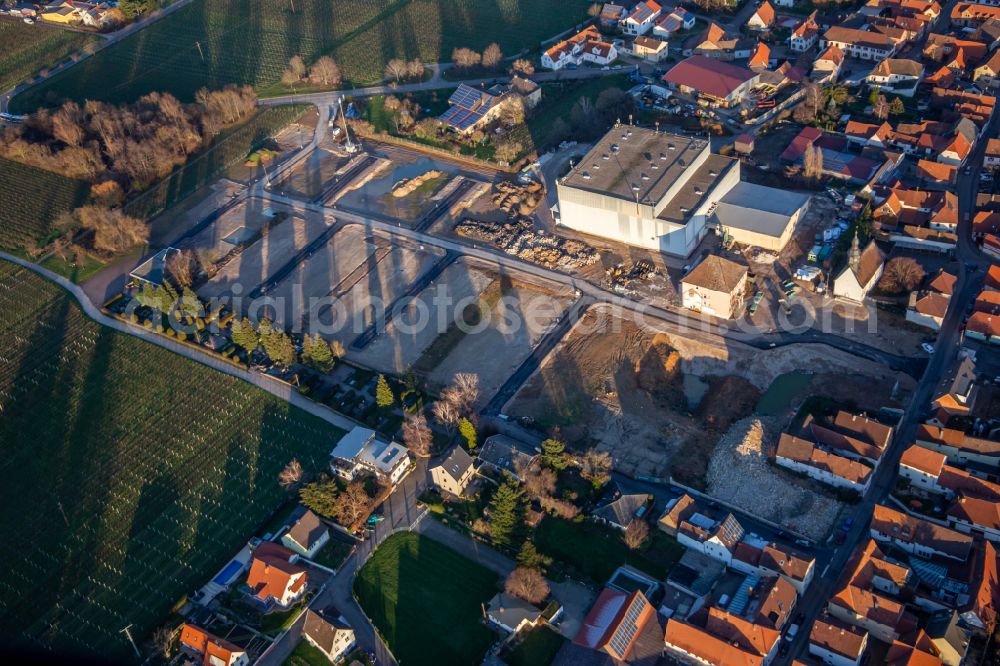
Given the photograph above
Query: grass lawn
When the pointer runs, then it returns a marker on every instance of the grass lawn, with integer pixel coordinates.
(79, 271)
(157, 469)
(275, 622)
(538, 648)
(425, 600)
(595, 550)
(558, 100)
(333, 554)
(305, 654)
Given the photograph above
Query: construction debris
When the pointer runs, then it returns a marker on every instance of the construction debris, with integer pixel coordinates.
(522, 240)
(624, 274)
(517, 200)
(406, 187)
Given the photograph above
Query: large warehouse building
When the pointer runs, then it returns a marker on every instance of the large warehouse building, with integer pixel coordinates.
(646, 188)
(664, 191)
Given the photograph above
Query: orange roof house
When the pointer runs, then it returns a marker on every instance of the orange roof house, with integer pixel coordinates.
(215, 651)
(725, 639)
(761, 58)
(273, 577)
(614, 622)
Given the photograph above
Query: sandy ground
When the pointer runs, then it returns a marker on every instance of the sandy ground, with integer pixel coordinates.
(255, 263)
(596, 387)
(515, 325)
(401, 345)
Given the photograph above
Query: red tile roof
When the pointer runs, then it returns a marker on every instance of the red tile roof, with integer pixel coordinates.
(271, 573)
(839, 638)
(708, 75)
(910, 529)
(209, 645)
(924, 460)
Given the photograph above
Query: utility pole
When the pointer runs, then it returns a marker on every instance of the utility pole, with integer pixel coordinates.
(128, 633)
(200, 52)
(63, 512)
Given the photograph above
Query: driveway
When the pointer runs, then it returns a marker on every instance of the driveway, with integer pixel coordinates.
(575, 598)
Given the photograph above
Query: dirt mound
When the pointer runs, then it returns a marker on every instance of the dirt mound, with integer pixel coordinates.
(406, 187)
(659, 369)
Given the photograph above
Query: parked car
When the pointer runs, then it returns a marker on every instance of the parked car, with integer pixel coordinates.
(927, 347)
(841, 537)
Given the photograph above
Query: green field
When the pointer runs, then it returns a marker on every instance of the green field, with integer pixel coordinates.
(215, 42)
(425, 598)
(30, 48)
(129, 474)
(595, 550)
(30, 199)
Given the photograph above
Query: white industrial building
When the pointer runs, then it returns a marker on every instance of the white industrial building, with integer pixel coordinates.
(662, 192)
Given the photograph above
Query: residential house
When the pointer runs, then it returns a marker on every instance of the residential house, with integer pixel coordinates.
(988, 73)
(715, 538)
(922, 467)
(928, 307)
(716, 43)
(75, 12)
(529, 91)
(588, 45)
(980, 614)
(761, 58)
(950, 637)
(968, 14)
(689, 584)
(957, 392)
(453, 474)
(504, 454)
(763, 18)
(724, 639)
(511, 613)
(983, 326)
(897, 75)
(851, 435)
(622, 510)
(863, 270)
(862, 596)
(359, 452)
(650, 49)
(307, 536)
(471, 109)
(641, 19)
(802, 456)
(973, 515)
(212, 650)
(744, 143)
(676, 512)
(837, 643)
(328, 631)
(918, 536)
(671, 23)
(959, 447)
(862, 44)
(795, 567)
(991, 158)
(776, 602)
(921, 652)
(274, 577)
(805, 34)
(826, 66)
(936, 174)
(614, 623)
(716, 286)
(718, 83)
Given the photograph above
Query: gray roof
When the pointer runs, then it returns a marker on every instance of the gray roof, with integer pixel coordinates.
(322, 626)
(505, 453)
(307, 530)
(765, 210)
(697, 189)
(457, 463)
(351, 444)
(622, 510)
(511, 610)
(695, 573)
(636, 158)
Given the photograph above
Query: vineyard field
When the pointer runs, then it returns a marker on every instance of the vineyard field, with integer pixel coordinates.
(30, 48)
(215, 42)
(31, 199)
(129, 475)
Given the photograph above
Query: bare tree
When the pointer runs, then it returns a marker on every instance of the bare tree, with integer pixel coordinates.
(559, 507)
(465, 58)
(289, 79)
(163, 639)
(492, 56)
(902, 274)
(881, 108)
(538, 481)
(297, 66)
(181, 267)
(446, 414)
(523, 67)
(396, 69)
(512, 112)
(352, 504)
(291, 475)
(812, 162)
(114, 231)
(415, 69)
(337, 347)
(636, 534)
(527, 584)
(417, 436)
(67, 124)
(326, 72)
(595, 466)
(463, 393)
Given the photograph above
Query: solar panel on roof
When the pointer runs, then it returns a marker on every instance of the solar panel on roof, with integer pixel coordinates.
(629, 627)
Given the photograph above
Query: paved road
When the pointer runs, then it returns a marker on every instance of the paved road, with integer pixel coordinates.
(270, 384)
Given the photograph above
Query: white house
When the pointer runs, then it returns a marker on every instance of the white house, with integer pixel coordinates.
(837, 643)
(359, 453)
(641, 19)
(716, 539)
(763, 18)
(307, 536)
(454, 472)
(716, 286)
(863, 270)
(900, 75)
(922, 467)
(274, 577)
(511, 613)
(861, 44)
(837, 471)
(588, 45)
(328, 631)
(918, 536)
(805, 35)
(968, 514)
(669, 24)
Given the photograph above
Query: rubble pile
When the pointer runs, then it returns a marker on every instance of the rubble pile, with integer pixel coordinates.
(740, 474)
(522, 240)
(405, 187)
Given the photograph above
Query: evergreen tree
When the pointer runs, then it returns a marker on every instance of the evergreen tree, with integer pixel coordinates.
(506, 512)
(244, 335)
(468, 432)
(554, 454)
(383, 394)
(321, 497)
(528, 556)
(317, 353)
(874, 95)
(279, 347)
